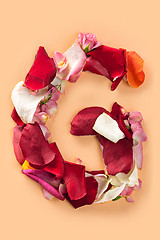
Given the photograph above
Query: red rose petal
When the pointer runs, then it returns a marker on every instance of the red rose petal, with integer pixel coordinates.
(16, 117)
(17, 131)
(35, 148)
(118, 157)
(83, 122)
(56, 167)
(92, 186)
(74, 177)
(42, 72)
(113, 60)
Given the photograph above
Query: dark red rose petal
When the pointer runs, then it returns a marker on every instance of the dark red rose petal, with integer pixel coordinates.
(74, 177)
(83, 122)
(16, 117)
(119, 117)
(118, 157)
(89, 198)
(42, 72)
(35, 148)
(56, 167)
(17, 131)
(112, 59)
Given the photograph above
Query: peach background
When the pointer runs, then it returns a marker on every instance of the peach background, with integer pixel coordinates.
(134, 25)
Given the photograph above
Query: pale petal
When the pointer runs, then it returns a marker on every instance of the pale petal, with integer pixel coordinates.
(108, 128)
(103, 183)
(59, 84)
(25, 102)
(133, 178)
(110, 194)
(47, 195)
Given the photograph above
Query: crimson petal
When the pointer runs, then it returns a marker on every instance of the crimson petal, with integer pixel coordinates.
(35, 148)
(92, 186)
(113, 60)
(83, 122)
(17, 131)
(46, 180)
(118, 157)
(74, 177)
(42, 72)
(16, 117)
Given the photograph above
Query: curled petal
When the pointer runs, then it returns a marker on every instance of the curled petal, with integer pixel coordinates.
(35, 148)
(42, 71)
(46, 180)
(76, 59)
(83, 122)
(60, 61)
(25, 102)
(135, 74)
(110, 194)
(138, 187)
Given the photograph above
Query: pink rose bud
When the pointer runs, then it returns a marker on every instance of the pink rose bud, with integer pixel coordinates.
(88, 41)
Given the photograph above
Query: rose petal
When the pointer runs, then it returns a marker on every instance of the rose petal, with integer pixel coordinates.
(35, 148)
(108, 128)
(138, 187)
(83, 122)
(129, 199)
(76, 59)
(110, 194)
(114, 60)
(135, 74)
(47, 195)
(74, 177)
(91, 188)
(25, 102)
(16, 118)
(138, 155)
(17, 131)
(59, 84)
(135, 117)
(46, 180)
(42, 71)
(118, 157)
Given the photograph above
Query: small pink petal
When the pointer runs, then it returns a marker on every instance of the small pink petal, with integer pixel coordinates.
(129, 199)
(138, 154)
(47, 195)
(139, 185)
(135, 117)
(127, 191)
(60, 61)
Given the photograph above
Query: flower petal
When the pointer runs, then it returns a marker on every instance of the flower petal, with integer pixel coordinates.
(110, 194)
(135, 74)
(59, 84)
(76, 59)
(108, 128)
(83, 122)
(25, 102)
(138, 154)
(74, 177)
(46, 180)
(17, 131)
(16, 118)
(42, 71)
(91, 189)
(35, 148)
(118, 157)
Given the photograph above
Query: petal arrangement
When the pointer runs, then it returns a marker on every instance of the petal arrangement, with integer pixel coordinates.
(120, 133)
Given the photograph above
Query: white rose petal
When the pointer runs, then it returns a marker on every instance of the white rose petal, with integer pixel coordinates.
(108, 128)
(26, 103)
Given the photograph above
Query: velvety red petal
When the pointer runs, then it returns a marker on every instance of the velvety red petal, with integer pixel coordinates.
(42, 71)
(92, 65)
(17, 131)
(118, 157)
(113, 60)
(46, 180)
(89, 198)
(56, 167)
(35, 148)
(74, 177)
(16, 117)
(118, 115)
(83, 122)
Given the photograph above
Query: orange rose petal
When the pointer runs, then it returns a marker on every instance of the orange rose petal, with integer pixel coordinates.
(135, 74)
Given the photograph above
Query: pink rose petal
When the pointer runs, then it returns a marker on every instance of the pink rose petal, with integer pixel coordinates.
(16, 117)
